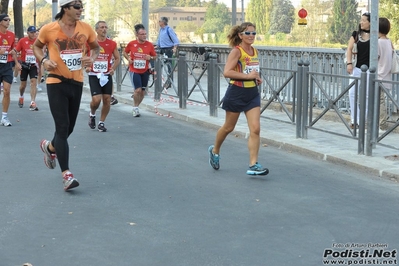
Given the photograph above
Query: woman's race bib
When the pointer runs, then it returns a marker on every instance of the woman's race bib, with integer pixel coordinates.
(249, 68)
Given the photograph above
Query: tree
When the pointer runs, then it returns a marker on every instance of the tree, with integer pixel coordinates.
(43, 14)
(282, 16)
(18, 21)
(189, 3)
(119, 15)
(216, 17)
(259, 13)
(165, 3)
(186, 28)
(390, 10)
(4, 6)
(344, 20)
(316, 31)
(16, 13)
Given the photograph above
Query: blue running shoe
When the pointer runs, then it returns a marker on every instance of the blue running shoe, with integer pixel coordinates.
(257, 169)
(213, 158)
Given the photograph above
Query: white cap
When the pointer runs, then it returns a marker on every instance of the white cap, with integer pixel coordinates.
(64, 2)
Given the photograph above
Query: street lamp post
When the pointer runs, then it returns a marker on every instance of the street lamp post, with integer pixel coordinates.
(233, 12)
(54, 8)
(242, 11)
(34, 13)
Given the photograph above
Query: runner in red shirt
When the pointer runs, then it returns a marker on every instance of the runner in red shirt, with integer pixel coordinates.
(16, 71)
(29, 66)
(7, 56)
(139, 53)
(100, 76)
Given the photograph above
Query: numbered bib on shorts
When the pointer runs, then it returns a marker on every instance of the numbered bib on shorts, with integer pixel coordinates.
(100, 66)
(249, 68)
(72, 59)
(30, 58)
(3, 58)
(139, 63)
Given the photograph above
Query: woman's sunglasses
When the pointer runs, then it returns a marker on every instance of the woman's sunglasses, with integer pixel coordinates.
(249, 32)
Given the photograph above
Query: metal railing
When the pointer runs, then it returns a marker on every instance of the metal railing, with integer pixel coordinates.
(297, 91)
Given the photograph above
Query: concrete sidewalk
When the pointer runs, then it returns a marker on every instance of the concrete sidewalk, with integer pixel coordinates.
(319, 145)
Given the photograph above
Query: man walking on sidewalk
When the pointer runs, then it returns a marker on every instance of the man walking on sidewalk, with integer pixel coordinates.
(100, 76)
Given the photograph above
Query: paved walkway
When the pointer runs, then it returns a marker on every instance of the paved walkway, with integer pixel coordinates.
(321, 145)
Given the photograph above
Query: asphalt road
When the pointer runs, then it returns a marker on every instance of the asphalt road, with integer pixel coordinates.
(148, 196)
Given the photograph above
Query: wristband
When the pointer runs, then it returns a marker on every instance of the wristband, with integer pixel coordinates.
(42, 61)
(349, 64)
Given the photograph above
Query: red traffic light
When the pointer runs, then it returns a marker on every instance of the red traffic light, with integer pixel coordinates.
(302, 13)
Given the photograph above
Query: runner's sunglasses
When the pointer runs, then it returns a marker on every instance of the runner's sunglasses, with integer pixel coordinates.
(249, 32)
(76, 6)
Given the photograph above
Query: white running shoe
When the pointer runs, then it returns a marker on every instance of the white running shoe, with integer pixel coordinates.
(15, 80)
(69, 181)
(49, 158)
(6, 122)
(136, 112)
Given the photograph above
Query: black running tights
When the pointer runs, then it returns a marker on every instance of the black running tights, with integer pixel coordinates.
(64, 100)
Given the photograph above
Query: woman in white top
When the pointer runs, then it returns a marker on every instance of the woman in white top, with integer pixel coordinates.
(385, 50)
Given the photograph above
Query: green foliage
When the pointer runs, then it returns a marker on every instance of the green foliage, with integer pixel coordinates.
(189, 3)
(117, 12)
(185, 28)
(43, 13)
(330, 23)
(216, 17)
(200, 32)
(390, 10)
(280, 36)
(218, 11)
(344, 20)
(317, 29)
(282, 16)
(259, 13)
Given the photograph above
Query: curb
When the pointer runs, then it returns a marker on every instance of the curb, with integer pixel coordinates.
(387, 172)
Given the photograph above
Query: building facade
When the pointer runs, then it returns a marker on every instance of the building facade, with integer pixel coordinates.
(177, 15)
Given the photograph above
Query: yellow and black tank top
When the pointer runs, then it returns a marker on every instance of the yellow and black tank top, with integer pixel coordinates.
(246, 63)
